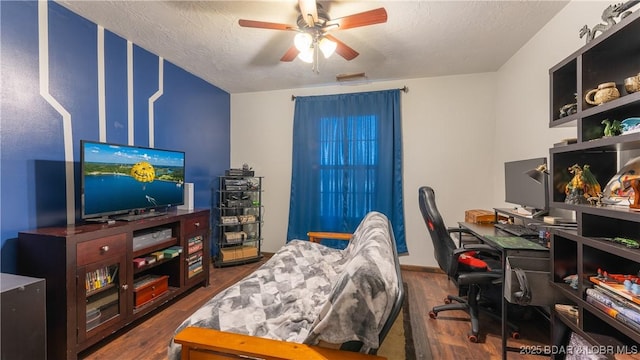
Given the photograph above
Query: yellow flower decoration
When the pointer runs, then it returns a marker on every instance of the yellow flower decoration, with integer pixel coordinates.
(143, 172)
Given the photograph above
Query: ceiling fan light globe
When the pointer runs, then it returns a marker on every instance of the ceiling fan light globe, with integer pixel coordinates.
(302, 41)
(327, 47)
(306, 55)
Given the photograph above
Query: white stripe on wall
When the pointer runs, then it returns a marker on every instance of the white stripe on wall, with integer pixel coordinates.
(130, 91)
(43, 59)
(153, 99)
(102, 114)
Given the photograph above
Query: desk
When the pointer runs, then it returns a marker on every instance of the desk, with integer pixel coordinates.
(511, 247)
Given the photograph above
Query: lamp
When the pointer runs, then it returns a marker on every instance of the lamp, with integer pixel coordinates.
(538, 173)
(327, 47)
(306, 55)
(303, 41)
(309, 42)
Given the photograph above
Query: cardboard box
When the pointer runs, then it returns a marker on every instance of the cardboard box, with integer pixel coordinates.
(238, 252)
(478, 216)
(249, 251)
(231, 253)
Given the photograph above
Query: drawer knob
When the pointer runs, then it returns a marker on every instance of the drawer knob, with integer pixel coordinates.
(104, 249)
(196, 224)
(125, 286)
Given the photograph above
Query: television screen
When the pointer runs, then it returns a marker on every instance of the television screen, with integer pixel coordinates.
(521, 189)
(119, 179)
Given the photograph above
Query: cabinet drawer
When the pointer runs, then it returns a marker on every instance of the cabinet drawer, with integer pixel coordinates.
(195, 224)
(95, 250)
(148, 288)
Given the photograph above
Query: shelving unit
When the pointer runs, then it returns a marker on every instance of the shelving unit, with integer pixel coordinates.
(97, 283)
(612, 56)
(239, 225)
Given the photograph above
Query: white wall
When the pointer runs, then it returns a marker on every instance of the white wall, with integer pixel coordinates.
(458, 131)
(522, 109)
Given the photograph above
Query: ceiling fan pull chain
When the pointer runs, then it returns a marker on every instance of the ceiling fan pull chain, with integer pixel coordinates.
(316, 60)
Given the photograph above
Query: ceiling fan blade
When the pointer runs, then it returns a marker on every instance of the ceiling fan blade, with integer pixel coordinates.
(343, 49)
(309, 11)
(266, 25)
(370, 17)
(290, 54)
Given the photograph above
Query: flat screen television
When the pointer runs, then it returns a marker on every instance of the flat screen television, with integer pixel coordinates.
(522, 190)
(129, 180)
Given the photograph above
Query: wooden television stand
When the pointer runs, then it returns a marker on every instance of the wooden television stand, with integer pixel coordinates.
(93, 272)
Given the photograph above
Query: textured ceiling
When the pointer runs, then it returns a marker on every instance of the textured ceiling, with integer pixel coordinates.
(420, 38)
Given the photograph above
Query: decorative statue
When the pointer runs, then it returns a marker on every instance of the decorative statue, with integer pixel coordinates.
(608, 16)
(583, 186)
(569, 109)
(612, 128)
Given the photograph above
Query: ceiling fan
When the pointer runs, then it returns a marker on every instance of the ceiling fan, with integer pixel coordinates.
(313, 27)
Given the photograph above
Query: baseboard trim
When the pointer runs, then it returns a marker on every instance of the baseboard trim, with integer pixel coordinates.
(418, 268)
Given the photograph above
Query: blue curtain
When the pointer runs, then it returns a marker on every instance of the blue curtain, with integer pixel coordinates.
(347, 161)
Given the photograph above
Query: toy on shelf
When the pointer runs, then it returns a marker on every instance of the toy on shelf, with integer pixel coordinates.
(582, 186)
(625, 285)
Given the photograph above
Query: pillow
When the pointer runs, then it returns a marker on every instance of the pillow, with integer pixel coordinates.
(468, 258)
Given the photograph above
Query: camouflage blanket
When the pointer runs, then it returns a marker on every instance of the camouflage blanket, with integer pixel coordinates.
(307, 293)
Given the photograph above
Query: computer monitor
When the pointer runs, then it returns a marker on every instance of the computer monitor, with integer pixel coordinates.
(522, 190)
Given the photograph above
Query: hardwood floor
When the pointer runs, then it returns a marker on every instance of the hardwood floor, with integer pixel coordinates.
(441, 338)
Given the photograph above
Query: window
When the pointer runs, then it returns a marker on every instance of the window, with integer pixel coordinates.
(348, 165)
(347, 161)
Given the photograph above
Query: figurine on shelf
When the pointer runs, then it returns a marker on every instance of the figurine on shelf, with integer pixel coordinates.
(612, 128)
(608, 16)
(582, 186)
(569, 109)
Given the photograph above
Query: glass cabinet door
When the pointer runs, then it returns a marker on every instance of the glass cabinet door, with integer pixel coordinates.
(101, 291)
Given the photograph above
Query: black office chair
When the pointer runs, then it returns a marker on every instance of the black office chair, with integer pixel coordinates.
(474, 268)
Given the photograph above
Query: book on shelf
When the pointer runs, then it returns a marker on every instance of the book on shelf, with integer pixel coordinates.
(172, 252)
(195, 266)
(194, 272)
(613, 313)
(602, 306)
(139, 262)
(194, 257)
(193, 247)
(624, 308)
(616, 288)
(195, 239)
(615, 297)
(556, 220)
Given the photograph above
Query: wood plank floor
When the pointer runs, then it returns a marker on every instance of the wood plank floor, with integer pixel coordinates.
(441, 338)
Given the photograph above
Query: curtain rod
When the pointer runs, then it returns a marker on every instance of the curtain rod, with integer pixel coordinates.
(404, 89)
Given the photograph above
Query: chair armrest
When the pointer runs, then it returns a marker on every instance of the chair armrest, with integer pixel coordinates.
(460, 231)
(202, 343)
(485, 248)
(479, 278)
(316, 236)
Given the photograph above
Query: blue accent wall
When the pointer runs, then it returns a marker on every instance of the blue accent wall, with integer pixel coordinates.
(191, 115)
